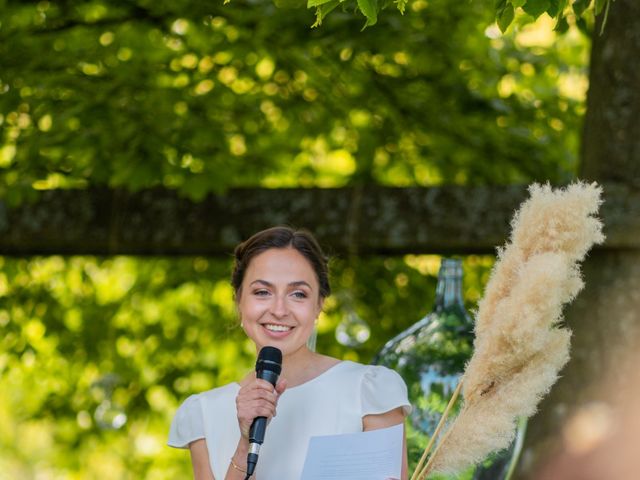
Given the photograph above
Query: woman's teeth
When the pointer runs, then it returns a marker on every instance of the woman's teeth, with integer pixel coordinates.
(277, 328)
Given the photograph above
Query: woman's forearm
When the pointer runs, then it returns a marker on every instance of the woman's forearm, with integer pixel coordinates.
(238, 462)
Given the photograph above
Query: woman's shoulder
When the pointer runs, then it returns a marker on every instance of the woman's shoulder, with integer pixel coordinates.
(230, 390)
(367, 371)
(381, 389)
(201, 399)
(189, 420)
(355, 374)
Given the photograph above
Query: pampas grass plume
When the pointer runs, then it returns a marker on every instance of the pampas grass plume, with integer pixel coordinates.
(520, 345)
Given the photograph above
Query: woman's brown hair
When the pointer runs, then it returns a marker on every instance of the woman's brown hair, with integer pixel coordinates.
(281, 237)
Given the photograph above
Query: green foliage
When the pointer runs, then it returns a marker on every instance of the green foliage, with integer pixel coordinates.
(556, 9)
(504, 9)
(370, 10)
(535, 8)
(579, 6)
(198, 97)
(504, 14)
(323, 10)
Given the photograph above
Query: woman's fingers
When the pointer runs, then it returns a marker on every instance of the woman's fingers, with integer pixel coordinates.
(259, 411)
(281, 386)
(270, 397)
(257, 399)
(258, 392)
(249, 411)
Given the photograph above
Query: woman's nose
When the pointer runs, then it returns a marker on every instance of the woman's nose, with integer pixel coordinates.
(279, 307)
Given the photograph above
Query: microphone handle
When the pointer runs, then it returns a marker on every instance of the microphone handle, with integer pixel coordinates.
(258, 427)
(257, 430)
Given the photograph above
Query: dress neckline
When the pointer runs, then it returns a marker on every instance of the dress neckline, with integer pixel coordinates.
(311, 380)
(317, 377)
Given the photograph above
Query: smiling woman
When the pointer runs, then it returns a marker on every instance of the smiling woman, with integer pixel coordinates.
(281, 280)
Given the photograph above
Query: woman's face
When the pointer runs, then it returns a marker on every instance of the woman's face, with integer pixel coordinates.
(279, 299)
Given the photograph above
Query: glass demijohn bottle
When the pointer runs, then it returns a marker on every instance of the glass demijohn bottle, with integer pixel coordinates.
(430, 356)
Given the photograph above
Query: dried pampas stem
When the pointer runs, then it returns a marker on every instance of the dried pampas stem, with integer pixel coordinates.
(418, 474)
(427, 468)
(520, 343)
(421, 474)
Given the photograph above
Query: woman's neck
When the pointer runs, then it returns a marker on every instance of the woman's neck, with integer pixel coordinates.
(305, 365)
(299, 366)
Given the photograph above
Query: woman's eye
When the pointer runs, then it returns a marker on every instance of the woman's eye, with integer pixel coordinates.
(261, 293)
(300, 294)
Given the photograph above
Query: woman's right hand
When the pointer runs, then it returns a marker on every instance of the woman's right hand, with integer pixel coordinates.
(257, 398)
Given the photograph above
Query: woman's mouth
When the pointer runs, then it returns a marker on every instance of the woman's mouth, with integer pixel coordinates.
(279, 330)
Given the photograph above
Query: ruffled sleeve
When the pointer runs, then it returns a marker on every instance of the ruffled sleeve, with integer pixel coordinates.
(188, 424)
(382, 391)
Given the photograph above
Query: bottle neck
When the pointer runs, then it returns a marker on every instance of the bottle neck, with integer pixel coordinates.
(449, 287)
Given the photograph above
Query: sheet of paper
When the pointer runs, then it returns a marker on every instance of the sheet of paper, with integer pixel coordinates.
(373, 455)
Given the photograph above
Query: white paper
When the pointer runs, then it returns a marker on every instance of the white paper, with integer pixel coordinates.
(373, 455)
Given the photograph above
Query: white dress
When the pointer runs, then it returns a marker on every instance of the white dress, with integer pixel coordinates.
(332, 403)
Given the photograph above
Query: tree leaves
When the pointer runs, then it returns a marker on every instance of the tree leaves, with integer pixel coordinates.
(555, 8)
(323, 9)
(370, 10)
(401, 4)
(505, 11)
(504, 15)
(535, 8)
(317, 3)
(202, 104)
(579, 6)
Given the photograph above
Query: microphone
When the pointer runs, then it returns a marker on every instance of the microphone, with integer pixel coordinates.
(268, 367)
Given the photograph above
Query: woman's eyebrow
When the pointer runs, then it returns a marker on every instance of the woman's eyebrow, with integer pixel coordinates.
(297, 283)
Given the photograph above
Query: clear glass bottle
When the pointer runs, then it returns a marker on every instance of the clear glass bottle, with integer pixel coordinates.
(430, 356)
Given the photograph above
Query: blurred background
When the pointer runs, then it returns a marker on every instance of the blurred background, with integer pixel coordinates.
(100, 344)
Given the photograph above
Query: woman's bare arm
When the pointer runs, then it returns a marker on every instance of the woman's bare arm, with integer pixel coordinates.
(200, 460)
(389, 419)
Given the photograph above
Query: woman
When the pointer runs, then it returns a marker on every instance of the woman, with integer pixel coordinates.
(281, 280)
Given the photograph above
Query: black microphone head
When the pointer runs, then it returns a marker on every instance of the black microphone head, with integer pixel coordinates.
(269, 358)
